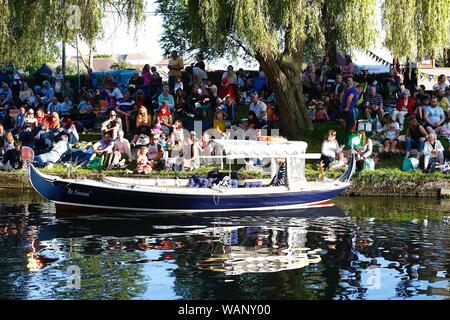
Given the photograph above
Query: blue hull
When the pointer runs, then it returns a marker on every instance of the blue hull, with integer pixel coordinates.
(73, 194)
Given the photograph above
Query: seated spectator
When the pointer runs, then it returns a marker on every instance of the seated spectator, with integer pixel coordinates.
(226, 89)
(54, 155)
(252, 120)
(442, 83)
(70, 130)
(143, 124)
(104, 148)
(43, 140)
(391, 140)
(197, 77)
(26, 93)
(68, 91)
(12, 157)
(122, 152)
(331, 150)
(420, 95)
(230, 110)
(364, 153)
(20, 119)
(141, 99)
(112, 126)
(30, 119)
(54, 106)
(84, 105)
(280, 178)
(53, 120)
(405, 107)
(178, 84)
(7, 96)
(9, 123)
(434, 116)
(47, 91)
(443, 102)
(373, 104)
(230, 75)
(181, 104)
(41, 116)
(135, 81)
(8, 141)
(88, 119)
(155, 153)
(260, 109)
(165, 118)
(142, 163)
(125, 107)
(192, 153)
(66, 107)
(415, 136)
(321, 113)
(219, 120)
(177, 136)
(433, 152)
(311, 84)
(166, 99)
(114, 95)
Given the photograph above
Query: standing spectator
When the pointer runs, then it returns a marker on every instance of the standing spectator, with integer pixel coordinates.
(146, 75)
(58, 77)
(348, 69)
(175, 66)
(199, 63)
(348, 108)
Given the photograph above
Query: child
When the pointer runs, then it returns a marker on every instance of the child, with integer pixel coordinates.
(391, 140)
(219, 120)
(321, 113)
(142, 163)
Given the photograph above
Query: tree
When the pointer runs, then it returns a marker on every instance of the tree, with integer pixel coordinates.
(274, 33)
(31, 31)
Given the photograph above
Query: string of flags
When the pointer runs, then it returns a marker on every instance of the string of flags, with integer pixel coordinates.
(378, 59)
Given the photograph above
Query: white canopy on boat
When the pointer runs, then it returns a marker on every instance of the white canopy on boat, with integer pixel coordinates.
(293, 151)
(252, 148)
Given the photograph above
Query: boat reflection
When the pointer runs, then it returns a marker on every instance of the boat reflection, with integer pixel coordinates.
(239, 250)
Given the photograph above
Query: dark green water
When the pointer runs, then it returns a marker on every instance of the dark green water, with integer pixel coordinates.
(367, 248)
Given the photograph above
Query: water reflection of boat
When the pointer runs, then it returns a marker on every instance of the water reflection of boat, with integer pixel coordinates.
(167, 195)
(260, 250)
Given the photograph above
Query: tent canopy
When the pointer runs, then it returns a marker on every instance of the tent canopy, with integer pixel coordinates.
(252, 148)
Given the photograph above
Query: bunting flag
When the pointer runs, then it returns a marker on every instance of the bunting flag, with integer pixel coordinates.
(430, 77)
(379, 59)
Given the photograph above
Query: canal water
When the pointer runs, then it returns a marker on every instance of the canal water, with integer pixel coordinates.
(361, 248)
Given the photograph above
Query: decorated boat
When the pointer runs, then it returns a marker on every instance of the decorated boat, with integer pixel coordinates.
(184, 195)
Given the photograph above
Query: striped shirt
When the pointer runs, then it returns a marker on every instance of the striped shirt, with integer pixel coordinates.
(377, 100)
(281, 177)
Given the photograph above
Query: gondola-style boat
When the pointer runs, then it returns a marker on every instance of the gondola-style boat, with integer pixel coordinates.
(175, 195)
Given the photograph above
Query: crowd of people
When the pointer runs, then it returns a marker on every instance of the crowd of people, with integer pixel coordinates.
(144, 120)
(411, 122)
(141, 122)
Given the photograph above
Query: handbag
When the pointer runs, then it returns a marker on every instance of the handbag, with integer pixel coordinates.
(369, 164)
(96, 163)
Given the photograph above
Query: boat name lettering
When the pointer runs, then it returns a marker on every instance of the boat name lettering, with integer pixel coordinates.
(77, 192)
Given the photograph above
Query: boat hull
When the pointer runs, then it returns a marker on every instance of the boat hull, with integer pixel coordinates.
(68, 194)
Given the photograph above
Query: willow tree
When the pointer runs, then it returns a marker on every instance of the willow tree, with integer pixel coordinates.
(274, 33)
(30, 31)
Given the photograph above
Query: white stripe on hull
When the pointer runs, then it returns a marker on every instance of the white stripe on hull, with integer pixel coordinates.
(316, 204)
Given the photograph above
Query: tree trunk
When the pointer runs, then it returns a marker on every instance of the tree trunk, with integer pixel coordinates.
(63, 54)
(284, 76)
